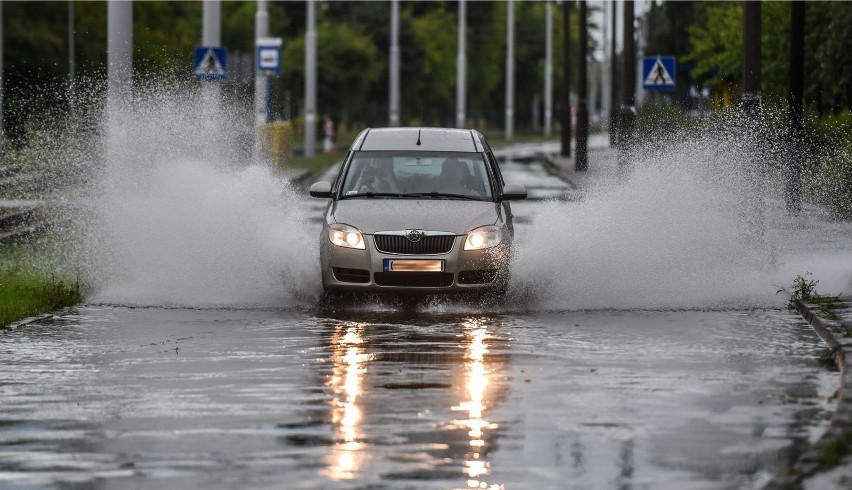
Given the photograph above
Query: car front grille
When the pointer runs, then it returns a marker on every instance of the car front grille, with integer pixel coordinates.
(477, 277)
(399, 244)
(414, 279)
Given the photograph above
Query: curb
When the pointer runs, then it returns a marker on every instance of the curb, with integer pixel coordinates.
(39, 318)
(554, 169)
(28, 321)
(836, 442)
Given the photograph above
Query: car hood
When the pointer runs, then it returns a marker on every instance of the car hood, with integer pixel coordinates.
(451, 215)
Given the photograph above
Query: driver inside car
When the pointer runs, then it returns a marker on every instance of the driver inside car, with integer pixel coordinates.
(378, 177)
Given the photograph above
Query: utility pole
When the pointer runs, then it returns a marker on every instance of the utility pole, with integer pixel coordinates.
(394, 64)
(548, 68)
(2, 87)
(311, 81)
(613, 79)
(605, 75)
(211, 36)
(751, 58)
(261, 30)
(565, 136)
(795, 103)
(627, 118)
(119, 51)
(461, 66)
(581, 164)
(510, 69)
(72, 96)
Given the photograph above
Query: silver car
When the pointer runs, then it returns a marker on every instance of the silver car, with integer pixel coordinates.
(422, 210)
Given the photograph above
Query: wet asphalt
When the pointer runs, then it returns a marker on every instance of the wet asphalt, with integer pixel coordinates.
(114, 397)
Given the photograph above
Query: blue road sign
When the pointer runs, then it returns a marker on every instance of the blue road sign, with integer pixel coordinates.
(269, 55)
(658, 73)
(211, 63)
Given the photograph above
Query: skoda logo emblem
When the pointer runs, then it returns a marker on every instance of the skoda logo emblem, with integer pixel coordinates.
(414, 236)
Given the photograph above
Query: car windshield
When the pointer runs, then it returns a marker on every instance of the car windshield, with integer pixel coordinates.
(446, 175)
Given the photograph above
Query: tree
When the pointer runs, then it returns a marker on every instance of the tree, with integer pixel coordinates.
(347, 67)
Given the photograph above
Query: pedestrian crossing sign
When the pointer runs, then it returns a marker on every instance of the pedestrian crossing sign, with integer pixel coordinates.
(211, 63)
(658, 73)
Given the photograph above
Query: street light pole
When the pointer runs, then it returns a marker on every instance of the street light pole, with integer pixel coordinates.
(627, 117)
(581, 164)
(72, 96)
(565, 136)
(2, 87)
(119, 51)
(797, 82)
(548, 68)
(394, 64)
(211, 36)
(311, 81)
(613, 79)
(261, 30)
(461, 66)
(510, 70)
(751, 57)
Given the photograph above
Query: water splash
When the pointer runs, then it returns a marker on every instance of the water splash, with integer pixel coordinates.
(184, 216)
(181, 215)
(693, 221)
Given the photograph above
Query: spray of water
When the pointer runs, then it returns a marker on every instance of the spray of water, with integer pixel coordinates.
(693, 221)
(181, 214)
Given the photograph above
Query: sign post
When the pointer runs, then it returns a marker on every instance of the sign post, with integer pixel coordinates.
(658, 73)
(211, 63)
(268, 63)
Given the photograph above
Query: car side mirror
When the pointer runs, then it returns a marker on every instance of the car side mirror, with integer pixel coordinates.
(321, 189)
(514, 192)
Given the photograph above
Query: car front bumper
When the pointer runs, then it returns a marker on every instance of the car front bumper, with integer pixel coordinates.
(464, 271)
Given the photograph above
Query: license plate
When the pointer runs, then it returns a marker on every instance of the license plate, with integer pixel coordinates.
(397, 265)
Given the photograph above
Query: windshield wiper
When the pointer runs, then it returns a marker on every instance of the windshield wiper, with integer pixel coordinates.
(373, 194)
(442, 194)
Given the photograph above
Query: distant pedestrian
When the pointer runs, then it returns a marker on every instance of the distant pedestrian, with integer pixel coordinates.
(328, 134)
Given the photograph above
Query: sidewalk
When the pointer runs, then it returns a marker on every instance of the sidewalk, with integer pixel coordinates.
(602, 160)
(828, 463)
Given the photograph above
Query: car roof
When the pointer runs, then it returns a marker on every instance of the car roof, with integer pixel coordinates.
(431, 139)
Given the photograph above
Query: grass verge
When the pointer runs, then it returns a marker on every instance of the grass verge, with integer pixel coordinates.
(28, 289)
(27, 293)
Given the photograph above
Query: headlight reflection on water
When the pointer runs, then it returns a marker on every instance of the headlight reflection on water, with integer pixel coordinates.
(347, 376)
(476, 387)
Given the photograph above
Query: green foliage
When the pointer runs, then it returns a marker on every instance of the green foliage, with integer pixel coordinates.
(164, 35)
(828, 57)
(347, 65)
(829, 180)
(28, 288)
(24, 294)
(434, 59)
(716, 40)
(804, 288)
(656, 118)
(716, 43)
(835, 177)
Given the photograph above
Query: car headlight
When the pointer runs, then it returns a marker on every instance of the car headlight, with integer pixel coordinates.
(346, 236)
(483, 237)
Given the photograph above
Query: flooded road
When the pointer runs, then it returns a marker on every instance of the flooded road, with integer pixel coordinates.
(114, 397)
(641, 345)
